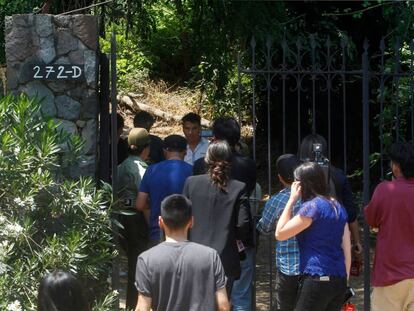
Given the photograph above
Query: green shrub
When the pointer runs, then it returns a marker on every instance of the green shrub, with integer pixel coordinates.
(131, 62)
(47, 222)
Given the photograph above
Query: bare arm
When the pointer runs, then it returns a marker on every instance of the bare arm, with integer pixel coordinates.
(222, 300)
(346, 246)
(144, 303)
(354, 229)
(287, 226)
(142, 204)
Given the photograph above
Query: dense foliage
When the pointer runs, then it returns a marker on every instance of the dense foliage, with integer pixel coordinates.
(47, 222)
(195, 43)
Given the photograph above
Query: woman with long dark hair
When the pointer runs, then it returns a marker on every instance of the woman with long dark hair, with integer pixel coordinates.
(61, 291)
(220, 208)
(324, 240)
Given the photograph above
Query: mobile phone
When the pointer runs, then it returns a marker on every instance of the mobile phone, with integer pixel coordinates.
(349, 294)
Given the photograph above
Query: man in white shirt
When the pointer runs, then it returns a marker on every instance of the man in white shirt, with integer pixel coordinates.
(196, 145)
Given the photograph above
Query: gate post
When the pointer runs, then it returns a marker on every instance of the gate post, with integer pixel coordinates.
(366, 183)
(56, 59)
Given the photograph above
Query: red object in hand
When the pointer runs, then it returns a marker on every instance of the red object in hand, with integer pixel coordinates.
(348, 307)
(355, 268)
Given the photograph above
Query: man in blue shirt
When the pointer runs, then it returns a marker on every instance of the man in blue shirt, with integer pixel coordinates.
(161, 180)
(287, 252)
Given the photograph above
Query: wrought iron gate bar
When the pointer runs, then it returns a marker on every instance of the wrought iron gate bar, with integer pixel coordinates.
(293, 73)
(343, 76)
(412, 87)
(366, 173)
(318, 72)
(382, 85)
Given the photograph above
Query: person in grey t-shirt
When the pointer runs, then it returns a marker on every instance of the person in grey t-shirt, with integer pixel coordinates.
(178, 274)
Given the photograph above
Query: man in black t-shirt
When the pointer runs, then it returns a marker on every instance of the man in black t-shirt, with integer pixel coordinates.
(178, 274)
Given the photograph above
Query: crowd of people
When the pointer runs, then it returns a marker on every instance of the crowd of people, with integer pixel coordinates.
(189, 234)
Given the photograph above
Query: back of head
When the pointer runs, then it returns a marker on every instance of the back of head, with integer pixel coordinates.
(218, 159)
(176, 211)
(192, 118)
(312, 180)
(143, 119)
(286, 165)
(60, 291)
(138, 140)
(175, 143)
(227, 128)
(306, 150)
(402, 153)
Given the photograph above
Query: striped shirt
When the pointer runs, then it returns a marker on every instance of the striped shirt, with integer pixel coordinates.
(287, 252)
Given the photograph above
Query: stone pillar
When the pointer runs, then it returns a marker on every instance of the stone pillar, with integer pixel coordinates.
(48, 40)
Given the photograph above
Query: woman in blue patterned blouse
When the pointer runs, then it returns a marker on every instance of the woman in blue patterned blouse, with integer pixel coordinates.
(324, 240)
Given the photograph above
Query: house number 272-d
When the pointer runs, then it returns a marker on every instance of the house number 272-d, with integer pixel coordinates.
(58, 72)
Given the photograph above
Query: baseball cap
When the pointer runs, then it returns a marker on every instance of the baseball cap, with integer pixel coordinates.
(175, 143)
(138, 137)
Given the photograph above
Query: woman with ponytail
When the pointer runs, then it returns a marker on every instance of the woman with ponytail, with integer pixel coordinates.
(220, 208)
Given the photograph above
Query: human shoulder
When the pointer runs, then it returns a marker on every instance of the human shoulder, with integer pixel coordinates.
(201, 249)
(384, 188)
(242, 160)
(197, 181)
(281, 197)
(236, 184)
(186, 165)
(155, 252)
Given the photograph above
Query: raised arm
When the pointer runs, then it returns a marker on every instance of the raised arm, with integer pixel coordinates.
(287, 226)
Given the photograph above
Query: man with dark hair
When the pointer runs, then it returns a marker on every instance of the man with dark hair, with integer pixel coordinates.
(178, 274)
(162, 179)
(287, 252)
(196, 145)
(391, 210)
(242, 169)
(145, 120)
(134, 235)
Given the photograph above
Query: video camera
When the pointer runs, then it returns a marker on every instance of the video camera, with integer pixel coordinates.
(319, 158)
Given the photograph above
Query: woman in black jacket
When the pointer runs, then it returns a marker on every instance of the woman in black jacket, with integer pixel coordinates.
(220, 209)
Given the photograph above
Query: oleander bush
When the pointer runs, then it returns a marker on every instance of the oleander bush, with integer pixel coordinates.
(48, 222)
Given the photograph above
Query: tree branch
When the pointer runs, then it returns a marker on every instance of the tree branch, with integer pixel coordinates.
(358, 11)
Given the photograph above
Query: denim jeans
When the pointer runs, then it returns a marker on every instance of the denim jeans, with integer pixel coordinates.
(287, 287)
(321, 295)
(241, 295)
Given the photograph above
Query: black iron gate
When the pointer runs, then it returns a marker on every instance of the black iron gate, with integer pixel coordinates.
(312, 88)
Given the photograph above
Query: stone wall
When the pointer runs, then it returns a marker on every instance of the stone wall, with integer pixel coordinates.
(52, 40)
